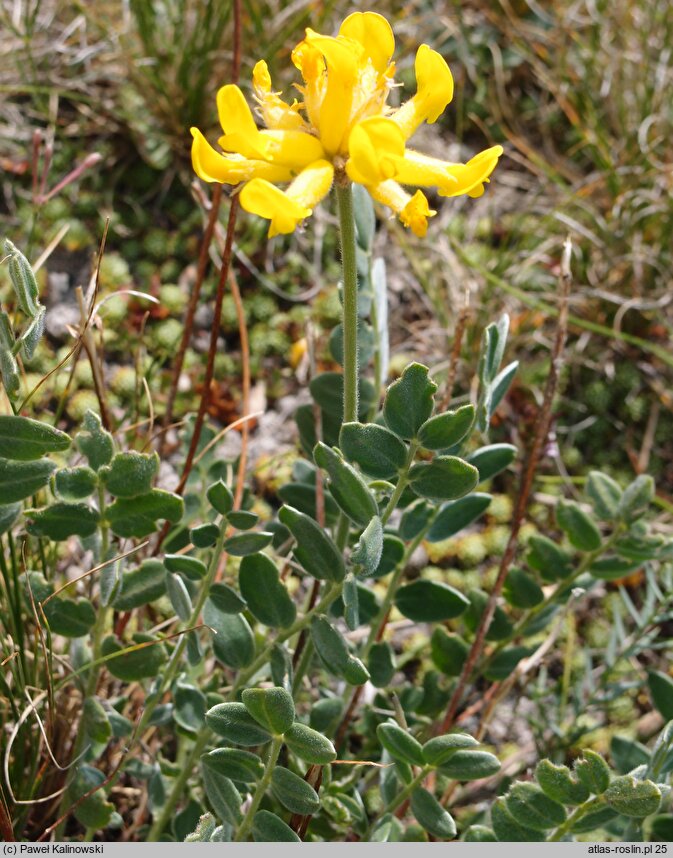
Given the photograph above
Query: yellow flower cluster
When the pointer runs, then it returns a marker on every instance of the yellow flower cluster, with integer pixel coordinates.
(342, 129)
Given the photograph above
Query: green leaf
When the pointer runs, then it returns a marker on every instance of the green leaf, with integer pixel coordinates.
(94, 811)
(305, 420)
(480, 834)
(627, 754)
(430, 601)
(266, 597)
(365, 217)
(141, 663)
(594, 820)
(366, 343)
(354, 672)
(493, 344)
(95, 722)
(192, 567)
(507, 829)
(330, 645)
(138, 516)
(392, 554)
(505, 662)
(636, 498)
(438, 751)
(69, 618)
(531, 808)
(456, 515)
(409, 401)
(415, 518)
(234, 642)
(661, 828)
(130, 474)
(223, 796)
(605, 494)
(446, 430)
(141, 586)
(580, 528)
(314, 550)
(189, 707)
(381, 664)
(491, 460)
(661, 691)
(75, 483)
(9, 368)
(24, 439)
(19, 480)
(204, 535)
(444, 478)
(347, 487)
(109, 583)
(612, 568)
(273, 708)
(241, 519)
(632, 797)
(375, 449)
(293, 792)
(23, 281)
(243, 544)
(448, 652)
(8, 515)
(226, 599)
(558, 783)
(399, 744)
(302, 496)
(234, 723)
(325, 713)
(179, 596)
(310, 745)
(62, 520)
(522, 590)
(471, 765)
(192, 825)
(95, 442)
(234, 764)
(367, 553)
(351, 602)
(327, 390)
(220, 497)
(268, 828)
(500, 627)
(593, 772)
(548, 559)
(431, 815)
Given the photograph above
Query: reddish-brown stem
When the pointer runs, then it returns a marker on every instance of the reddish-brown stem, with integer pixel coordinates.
(458, 335)
(188, 321)
(534, 455)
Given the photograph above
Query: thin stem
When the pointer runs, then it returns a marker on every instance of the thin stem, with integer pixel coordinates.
(400, 798)
(271, 761)
(574, 817)
(527, 477)
(344, 197)
(160, 823)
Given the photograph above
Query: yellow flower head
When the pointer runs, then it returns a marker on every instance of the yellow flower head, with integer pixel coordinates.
(342, 129)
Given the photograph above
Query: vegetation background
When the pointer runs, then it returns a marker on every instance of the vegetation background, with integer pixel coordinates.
(578, 93)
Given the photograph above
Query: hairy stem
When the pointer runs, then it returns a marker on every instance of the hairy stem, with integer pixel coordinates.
(271, 761)
(350, 301)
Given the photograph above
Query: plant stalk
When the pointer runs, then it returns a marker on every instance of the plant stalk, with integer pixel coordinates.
(344, 197)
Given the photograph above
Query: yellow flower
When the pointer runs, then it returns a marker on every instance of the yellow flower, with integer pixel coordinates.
(341, 130)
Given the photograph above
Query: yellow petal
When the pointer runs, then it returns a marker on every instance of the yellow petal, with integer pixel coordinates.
(287, 209)
(374, 146)
(434, 90)
(375, 35)
(294, 149)
(276, 113)
(211, 166)
(470, 177)
(413, 212)
(234, 113)
(342, 58)
(451, 179)
(308, 59)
